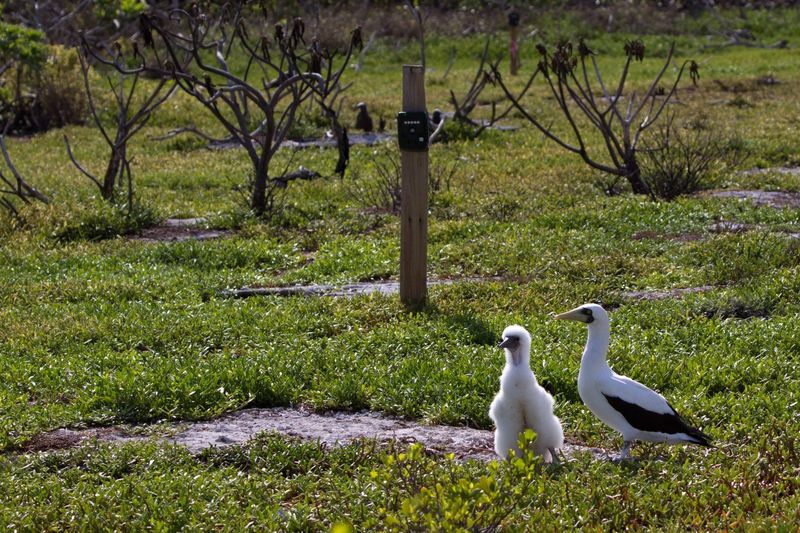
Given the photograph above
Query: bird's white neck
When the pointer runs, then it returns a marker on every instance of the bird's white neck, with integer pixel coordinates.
(594, 355)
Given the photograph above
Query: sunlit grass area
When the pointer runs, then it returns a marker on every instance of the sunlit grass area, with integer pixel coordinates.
(97, 329)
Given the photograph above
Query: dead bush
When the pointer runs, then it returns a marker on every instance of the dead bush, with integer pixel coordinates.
(680, 160)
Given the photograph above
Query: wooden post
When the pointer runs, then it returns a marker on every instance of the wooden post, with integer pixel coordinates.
(513, 29)
(414, 202)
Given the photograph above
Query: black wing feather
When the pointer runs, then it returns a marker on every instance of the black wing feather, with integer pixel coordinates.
(644, 420)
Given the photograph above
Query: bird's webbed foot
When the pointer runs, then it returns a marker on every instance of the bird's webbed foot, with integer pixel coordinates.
(554, 458)
(624, 453)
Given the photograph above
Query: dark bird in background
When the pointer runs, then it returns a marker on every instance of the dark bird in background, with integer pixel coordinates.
(363, 120)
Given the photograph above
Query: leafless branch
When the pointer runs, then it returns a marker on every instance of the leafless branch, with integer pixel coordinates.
(16, 186)
(451, 60)
(363, 54)
(484, 75)
(620, 119)
(191, 130)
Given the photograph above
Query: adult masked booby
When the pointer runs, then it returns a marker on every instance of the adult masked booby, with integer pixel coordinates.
(625, 405)
(522, 403)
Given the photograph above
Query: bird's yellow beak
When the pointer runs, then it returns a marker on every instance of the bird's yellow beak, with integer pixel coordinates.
(575, 314)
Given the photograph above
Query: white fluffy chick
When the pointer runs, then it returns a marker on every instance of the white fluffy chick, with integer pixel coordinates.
(522, 403)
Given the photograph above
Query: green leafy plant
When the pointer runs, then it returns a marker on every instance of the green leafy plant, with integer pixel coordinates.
(113, 9)
(107, 221)
(25, 45)
(58, 86)
(425, 494)
(22, 54)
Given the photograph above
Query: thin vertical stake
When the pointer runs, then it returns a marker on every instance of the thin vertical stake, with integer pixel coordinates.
(514, 50)
(414, 202)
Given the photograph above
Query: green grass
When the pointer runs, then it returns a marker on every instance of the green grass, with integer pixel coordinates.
(99, 331)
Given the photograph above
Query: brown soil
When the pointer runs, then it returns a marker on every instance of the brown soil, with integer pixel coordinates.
(64, 438)
(179, 229)
(330, 429)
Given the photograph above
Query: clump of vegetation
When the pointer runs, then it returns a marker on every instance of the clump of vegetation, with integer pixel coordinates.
(40, 85)
(679, 160)
(107, 221)
(382, 189)
(22, 54)
(434, 495)
(58, 86)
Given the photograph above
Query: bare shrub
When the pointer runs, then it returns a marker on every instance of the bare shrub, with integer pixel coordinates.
(130, 119)
(463, 126)
(380, 190)
(679, 160)
(619, 117)
(256, 100)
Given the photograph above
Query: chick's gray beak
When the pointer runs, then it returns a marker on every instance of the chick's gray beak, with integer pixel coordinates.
(509, 342)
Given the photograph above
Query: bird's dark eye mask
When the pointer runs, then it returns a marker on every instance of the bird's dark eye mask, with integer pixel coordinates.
(510, 342)
(589, 316)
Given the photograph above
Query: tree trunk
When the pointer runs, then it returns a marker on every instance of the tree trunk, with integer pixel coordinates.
(116, 164)
(258, 202)
(112, 172)
(634, 176)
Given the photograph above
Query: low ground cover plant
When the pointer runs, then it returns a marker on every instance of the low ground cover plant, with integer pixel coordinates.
(98, 331)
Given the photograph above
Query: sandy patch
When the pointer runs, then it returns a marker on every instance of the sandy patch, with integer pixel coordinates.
(386, 288)
(777, 199)
(664, 294)
(331, 429)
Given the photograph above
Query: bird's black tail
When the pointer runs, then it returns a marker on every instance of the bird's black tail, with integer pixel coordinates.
(698, 437)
